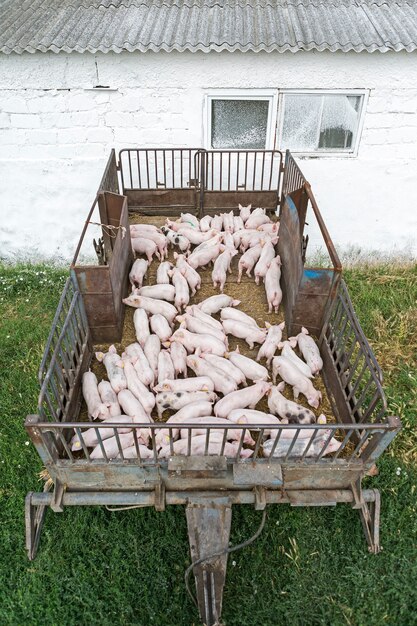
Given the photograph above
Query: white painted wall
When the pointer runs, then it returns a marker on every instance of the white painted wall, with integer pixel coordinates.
(56, 133)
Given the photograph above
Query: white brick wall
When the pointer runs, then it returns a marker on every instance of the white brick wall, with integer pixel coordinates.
(56, 132)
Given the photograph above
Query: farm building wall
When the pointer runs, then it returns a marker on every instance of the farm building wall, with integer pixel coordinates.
(56, 133)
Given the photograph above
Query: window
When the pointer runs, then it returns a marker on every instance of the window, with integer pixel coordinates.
(318, 123)
(241, 120)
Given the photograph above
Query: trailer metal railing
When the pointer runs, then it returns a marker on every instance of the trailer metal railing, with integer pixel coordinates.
(159, 168)
(199, 180)
(55, 436)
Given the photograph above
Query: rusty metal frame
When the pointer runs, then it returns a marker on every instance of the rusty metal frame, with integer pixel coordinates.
(210, 485)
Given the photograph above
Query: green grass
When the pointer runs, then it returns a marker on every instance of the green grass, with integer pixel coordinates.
(310, 566)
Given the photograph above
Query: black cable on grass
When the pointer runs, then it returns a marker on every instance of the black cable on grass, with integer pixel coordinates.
(221, 553)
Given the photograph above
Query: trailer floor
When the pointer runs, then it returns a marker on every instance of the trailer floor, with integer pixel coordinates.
(253, 302)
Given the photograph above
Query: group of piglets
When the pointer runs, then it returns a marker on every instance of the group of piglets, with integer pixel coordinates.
(217, 240)
(227, 385)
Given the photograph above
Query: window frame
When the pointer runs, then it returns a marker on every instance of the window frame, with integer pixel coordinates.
(269, 95)
(326, 152)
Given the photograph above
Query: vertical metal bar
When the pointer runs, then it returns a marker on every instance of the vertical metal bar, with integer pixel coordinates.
(277, 438)
(121, 171)
(139, 178)
(136, 443)
(344, 443)
(292, 444)
(62, 439)
(224, 441)
(308, 446)
(51, 407)
(258, 443)
(100, 442)
(130, 170)
(189, 442)
(165, 168)
(271, 170)
(147, 167)
(119, 447)
(323, 450)
(82, 442)
(181, 168)
(228, 173)
(171, 441)
(206, 445)
(241, 442)
(173, 168)
(155, 451)
(246, 169)
(254, 170)
(262, 171)
(221, 171)
(156, 168)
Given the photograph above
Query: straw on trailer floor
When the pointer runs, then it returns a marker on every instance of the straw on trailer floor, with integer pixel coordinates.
(253, 302)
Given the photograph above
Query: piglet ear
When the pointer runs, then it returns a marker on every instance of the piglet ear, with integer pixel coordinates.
(281, 326)
(249, 207)
(281, 386)
(268, 325)
(304, 331)
(237, 350)
(112, 349)
(236, 302)
(281, 345)
(99, 356)
(322, 419)
(176, 255)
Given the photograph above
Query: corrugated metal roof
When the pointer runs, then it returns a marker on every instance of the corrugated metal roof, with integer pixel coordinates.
(207, 25)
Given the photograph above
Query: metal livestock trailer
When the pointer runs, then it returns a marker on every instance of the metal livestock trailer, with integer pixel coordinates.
(166, 182)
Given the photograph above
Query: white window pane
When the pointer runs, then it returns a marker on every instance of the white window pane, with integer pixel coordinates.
(239, 124)
(339, 122)
(301, 122)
